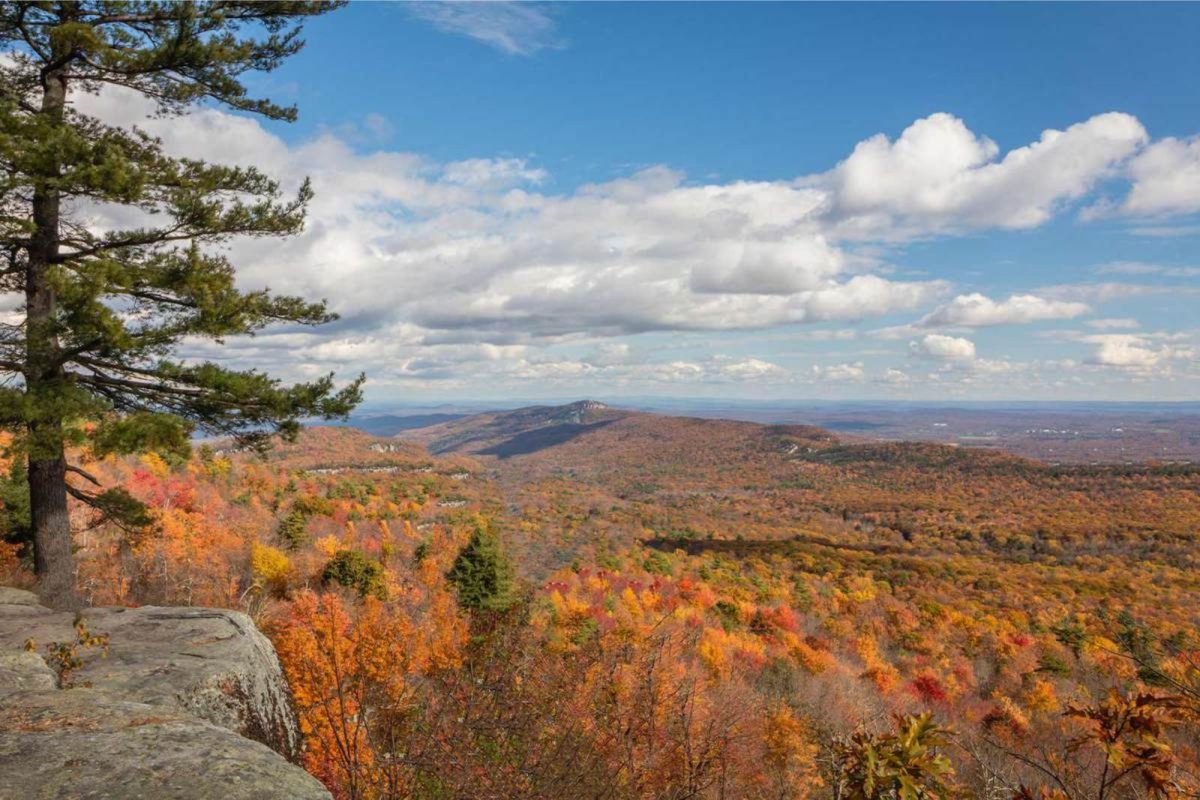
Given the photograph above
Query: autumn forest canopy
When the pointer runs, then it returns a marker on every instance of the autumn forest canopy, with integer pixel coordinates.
(558, 601)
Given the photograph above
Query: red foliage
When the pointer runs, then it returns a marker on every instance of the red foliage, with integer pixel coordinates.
(929, 688)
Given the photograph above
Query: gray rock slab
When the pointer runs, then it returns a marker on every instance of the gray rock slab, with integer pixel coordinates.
(84, 744)
(212, 662)
(182, 704)
(22, 672)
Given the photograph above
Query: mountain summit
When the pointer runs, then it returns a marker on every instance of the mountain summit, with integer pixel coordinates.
(578, 412)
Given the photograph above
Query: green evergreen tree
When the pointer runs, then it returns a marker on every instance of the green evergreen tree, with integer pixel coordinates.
(15, 525)
(293, 529)
(104, 312)
(352, 569)
(482, 573)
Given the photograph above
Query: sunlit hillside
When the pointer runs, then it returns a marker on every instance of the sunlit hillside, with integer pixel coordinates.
(756, 594)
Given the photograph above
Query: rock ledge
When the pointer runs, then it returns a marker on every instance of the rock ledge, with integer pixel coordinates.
(187, 704)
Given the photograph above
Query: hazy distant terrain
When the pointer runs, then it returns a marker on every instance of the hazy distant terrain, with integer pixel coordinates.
(391, 424)
(1069, 433)
(1075, 433)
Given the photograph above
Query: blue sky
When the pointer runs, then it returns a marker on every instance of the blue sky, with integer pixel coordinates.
(776, 200)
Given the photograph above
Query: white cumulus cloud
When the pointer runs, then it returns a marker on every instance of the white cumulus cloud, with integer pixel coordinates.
(943, 348)
(1137, 352)
(839, 372)
(979, 311)
(1166, 179)
(474, 270)
(939, 175)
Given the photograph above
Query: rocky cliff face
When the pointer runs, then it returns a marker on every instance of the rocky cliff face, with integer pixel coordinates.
(183, 703)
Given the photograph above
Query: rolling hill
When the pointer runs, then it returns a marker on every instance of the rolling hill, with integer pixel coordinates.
(590, 432)
(612, 475)
(511, 433)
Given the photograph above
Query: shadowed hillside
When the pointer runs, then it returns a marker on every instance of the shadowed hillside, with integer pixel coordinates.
(584, 474)
(520, 432)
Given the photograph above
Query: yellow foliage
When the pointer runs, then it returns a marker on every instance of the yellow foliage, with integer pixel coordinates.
(753, 647)
(569, 609)
(790, 753)
(217, 467)
(712, 652)
(1010, 713)
(1041, 697)
(155, 465)
(270, 565)
(630, 601)
(813, 660)
(9, 563)
(328, 546)
(867, 648)
(861, 589)
(883, 675)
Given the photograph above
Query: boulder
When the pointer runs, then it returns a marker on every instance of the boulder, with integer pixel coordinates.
(17, 597)
(165, 703)
(21, 671)
(84, 744)
(211, 662)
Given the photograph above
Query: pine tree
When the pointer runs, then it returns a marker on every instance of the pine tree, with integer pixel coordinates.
(94, 361)
(15, 525)
(482, 573)
(352, 569)
(293, 529)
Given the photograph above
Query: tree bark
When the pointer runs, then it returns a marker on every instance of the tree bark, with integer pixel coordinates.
(54, 560)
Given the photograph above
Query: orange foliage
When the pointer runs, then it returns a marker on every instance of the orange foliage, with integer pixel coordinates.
(869, 580)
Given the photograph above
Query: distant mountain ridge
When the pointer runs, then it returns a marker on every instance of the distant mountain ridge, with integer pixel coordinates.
(519, 432)
(1064, 434)
(391, 424)
(589, 435)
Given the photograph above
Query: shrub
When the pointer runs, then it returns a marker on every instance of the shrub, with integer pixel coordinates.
(906, 764)
(271, 566)
(352, 569)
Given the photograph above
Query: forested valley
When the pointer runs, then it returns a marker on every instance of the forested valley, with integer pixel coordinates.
(662, 607)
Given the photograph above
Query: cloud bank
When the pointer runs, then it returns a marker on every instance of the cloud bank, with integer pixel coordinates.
(469, 270)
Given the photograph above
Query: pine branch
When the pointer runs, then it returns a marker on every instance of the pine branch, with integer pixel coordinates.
(84, 474)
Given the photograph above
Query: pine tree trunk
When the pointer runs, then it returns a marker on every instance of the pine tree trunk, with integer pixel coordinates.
(44, 379)
(53, 559)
